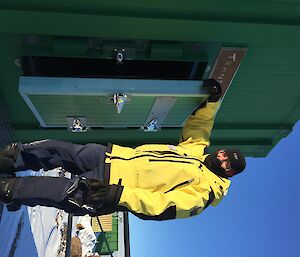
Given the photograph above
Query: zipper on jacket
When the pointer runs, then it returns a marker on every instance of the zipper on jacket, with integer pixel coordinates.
(173, 155)
(154, 156)
(181, 184)
(169, 160)
(163, 152)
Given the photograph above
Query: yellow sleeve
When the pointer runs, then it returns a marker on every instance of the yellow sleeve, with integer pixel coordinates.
(179, 203)
(198, 126)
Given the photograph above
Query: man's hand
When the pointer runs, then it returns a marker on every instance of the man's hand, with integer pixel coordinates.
(92, 194)
(214, 89)
(99, 192)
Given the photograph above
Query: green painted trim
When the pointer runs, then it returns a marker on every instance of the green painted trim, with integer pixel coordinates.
(121, 27)
(93, 87)
(131, 136)
(255, 147)
(263, 11)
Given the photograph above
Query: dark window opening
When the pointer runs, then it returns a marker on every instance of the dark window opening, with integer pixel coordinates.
(102, 68)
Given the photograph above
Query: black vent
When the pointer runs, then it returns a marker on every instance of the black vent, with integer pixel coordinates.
(102, 68)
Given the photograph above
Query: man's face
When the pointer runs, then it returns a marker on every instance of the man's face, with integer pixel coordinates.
(225, 163)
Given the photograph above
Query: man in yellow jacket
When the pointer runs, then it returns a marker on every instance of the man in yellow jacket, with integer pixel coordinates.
(155, 182)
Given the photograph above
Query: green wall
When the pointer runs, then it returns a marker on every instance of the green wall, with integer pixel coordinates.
(261, 106)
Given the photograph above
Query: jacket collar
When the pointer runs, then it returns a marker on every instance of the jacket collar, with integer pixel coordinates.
(218, 184)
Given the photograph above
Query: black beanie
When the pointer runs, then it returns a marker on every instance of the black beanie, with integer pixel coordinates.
(237, 159)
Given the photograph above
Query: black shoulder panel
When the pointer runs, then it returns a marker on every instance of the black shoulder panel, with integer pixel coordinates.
(210, 200)
(169, 213)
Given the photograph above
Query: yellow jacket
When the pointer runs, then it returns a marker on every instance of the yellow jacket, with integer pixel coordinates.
(167, 181)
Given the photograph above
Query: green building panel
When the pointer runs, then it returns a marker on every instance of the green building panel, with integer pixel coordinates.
(107, 242)
(180, 41)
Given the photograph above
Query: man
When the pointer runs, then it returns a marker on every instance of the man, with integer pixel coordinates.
(155, 182)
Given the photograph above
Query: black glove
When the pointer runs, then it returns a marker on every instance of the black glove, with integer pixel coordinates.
(99, 192)
(92, 195)
(214, 89)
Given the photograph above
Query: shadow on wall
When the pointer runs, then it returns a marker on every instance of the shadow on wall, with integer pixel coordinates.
(1, 209)
(6, 128)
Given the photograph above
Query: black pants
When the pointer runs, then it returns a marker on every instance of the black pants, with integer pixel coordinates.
(82, 160)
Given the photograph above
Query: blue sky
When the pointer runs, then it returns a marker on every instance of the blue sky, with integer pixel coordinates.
(259, 217)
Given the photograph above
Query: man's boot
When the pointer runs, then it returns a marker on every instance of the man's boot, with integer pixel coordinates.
(8, 156)
(6, 189)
